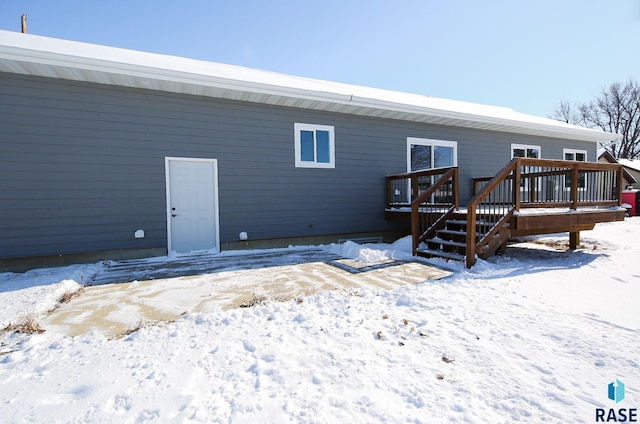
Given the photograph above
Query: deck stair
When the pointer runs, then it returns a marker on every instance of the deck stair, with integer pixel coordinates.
(450, 242)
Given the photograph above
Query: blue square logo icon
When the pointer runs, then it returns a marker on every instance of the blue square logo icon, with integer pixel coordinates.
(616, 391)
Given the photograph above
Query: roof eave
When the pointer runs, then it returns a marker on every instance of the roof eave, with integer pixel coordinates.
(14, 59)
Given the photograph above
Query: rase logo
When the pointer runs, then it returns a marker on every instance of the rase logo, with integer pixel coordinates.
(615, 392)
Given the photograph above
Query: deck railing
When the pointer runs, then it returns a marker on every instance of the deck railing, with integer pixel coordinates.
(431, 195)
(403, 189)
(539, 183)
(491, 208)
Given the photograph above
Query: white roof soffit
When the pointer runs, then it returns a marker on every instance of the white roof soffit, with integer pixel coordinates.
(48, 57)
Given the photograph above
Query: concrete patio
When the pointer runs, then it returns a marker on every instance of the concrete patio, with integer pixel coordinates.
(128, 294)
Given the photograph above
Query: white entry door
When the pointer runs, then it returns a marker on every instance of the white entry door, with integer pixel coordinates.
(192, 204)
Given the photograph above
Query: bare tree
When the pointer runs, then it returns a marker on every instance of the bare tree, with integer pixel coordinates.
(565, 112)
(616, 109)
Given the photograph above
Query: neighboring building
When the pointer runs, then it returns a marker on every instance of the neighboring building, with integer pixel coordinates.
(631, 169)
(112, 153)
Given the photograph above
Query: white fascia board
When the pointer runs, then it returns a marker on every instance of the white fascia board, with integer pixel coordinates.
(516, 123)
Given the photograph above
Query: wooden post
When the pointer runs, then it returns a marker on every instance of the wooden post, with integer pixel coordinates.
(619, 184)
(533, 186)
(471, 236)
(574, 186)
(574, 240)
(516, 185)
(456, 194)
(23, 23)
(415, 223)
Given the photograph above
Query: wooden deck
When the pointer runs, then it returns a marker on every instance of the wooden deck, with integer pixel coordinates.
(535, 221)
(527, 197)
(560, 221)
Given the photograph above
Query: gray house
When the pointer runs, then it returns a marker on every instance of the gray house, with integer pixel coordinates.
(111, 153)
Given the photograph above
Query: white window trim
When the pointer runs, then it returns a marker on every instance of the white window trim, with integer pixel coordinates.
(431, 142)
(299, 163)
(525, 147)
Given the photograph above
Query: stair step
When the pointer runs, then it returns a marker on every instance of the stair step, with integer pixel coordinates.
(453, 232)
(446, 242)
(457, 221)
(464, 222)
(457, 232)
(440, 254)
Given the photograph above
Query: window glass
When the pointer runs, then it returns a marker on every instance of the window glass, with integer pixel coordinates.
(442, 156)
(306, 146)
(322, 146)
(420, 157)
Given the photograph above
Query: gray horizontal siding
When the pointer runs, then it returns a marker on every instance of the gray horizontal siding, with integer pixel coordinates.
(82, 166)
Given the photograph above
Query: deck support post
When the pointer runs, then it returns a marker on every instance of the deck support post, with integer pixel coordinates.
(574, 240)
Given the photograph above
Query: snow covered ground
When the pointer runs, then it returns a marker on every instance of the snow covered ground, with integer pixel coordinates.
(534, 336)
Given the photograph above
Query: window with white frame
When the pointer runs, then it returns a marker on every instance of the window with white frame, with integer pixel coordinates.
(423, 153)
(314, 146)
(525, 151)
(577, 156)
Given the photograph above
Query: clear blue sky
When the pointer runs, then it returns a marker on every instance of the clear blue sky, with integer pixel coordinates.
(527, 55)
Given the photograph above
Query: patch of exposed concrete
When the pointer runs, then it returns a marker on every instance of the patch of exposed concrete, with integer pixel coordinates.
(226, 282)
